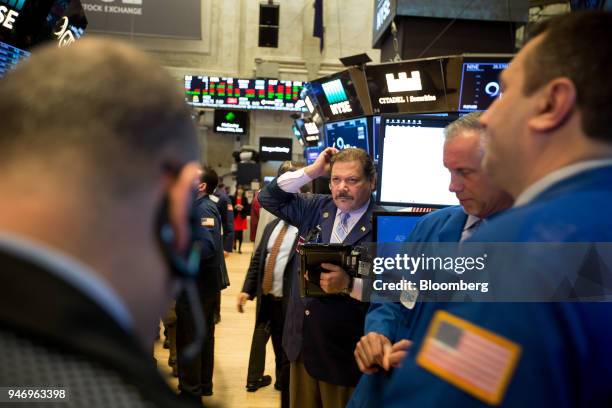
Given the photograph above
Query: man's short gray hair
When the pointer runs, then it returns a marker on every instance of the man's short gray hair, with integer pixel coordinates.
(470, 121)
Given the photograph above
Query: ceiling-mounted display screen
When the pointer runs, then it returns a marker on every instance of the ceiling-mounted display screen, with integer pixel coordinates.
(9, 57)
(231, 121)
(407, 87)
(337, 96)
(479, 85)
(347, 133)
(275, 148)
(263, 94)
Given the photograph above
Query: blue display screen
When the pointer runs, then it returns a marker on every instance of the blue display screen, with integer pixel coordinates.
(347, 133)
(396, 227)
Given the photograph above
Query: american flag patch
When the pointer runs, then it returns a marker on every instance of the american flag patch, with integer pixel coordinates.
(471, 358)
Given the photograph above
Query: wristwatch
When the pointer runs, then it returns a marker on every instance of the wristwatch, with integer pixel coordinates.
(349, 288)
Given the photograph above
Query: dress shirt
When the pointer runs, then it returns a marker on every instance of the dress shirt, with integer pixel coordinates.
(531, 192)
(291, 182)
(71, 271)
(282, 258)
(469, 228)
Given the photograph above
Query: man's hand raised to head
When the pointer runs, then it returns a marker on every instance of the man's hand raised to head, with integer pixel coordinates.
(321, 166)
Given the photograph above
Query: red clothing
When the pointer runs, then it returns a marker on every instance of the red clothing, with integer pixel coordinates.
(240, 222)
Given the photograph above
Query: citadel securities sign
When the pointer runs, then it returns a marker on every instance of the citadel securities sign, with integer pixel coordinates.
(152, 18)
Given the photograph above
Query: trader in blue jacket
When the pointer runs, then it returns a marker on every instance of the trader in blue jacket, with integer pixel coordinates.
(321, 332)
(549, 143)
(388, 324)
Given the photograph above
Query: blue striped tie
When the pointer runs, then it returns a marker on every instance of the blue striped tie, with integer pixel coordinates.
(342, 230)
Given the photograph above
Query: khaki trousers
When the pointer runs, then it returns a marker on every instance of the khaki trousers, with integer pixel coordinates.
(308, 392)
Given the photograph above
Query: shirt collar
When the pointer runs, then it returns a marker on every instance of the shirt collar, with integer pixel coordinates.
(355, 214)
(470, 221)
(71, 271)
(531, 192)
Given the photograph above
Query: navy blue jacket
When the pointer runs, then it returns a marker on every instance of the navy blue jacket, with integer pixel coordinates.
(566, 353)
(323, 331)
(211, 278)
(394, 320)
(226, 210)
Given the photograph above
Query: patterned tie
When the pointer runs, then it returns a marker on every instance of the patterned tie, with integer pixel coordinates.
(341, 230)
(268, 277)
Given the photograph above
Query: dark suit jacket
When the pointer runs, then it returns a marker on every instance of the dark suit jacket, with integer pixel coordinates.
(212, 276)
(254, 277)
(323, 331)
(52, 334)
(224, 205)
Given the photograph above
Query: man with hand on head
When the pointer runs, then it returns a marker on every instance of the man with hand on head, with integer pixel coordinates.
(320, 332)
(83, 275)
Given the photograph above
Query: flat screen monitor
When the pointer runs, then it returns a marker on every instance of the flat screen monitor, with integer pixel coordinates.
(410, 166)
(336, 95)
(275, 148)
(237, 93)
(9, 57)
(311, 153)
(374, 137)
(390, 227)
(407, 87)
(231, 121)
(348, 133)
(479, 85)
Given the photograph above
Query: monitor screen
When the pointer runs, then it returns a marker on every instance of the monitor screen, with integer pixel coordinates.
(337, 96)
(390, 227)
(410, 167)
(311, 153)
(347, 133)
(275, 148)
(9, 57)
(218, 92)
(374, 137)
(231, 121)
(407, 87)
(479, 85)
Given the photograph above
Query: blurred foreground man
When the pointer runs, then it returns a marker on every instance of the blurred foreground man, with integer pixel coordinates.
(549, 144)
(93, 138)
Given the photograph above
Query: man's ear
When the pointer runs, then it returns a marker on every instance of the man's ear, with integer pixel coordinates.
(202, 188)
(554, 105)
(180, 199)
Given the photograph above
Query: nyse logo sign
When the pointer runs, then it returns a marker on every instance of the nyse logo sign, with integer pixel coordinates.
(382, 13)
(9, 16)
(342, 107)
(404, 84)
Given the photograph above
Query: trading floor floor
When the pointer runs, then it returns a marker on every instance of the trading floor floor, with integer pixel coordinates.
(232, 346)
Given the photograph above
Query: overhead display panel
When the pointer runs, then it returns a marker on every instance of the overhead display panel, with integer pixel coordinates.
(9, 57)
(342, 95)
(480, 82)
(260, 94)
(407, 87)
